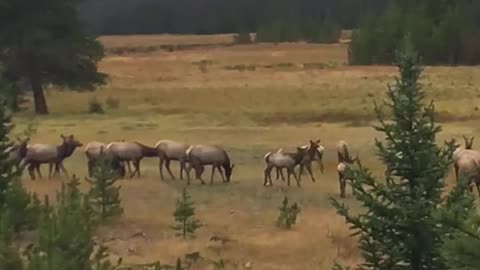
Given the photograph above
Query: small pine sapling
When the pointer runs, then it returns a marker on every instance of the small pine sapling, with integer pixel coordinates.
(288, 214)
(184, 216)
(104, 196)
(65, 235)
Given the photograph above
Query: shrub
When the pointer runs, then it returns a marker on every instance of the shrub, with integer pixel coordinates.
(288, 214)
(95, 106)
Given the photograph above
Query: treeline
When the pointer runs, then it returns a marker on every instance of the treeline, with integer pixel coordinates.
(220, 16)
(443, 31)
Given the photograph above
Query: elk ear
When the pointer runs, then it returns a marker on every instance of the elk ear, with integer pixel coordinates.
(318, 141)
(61, 136)
(233, 166)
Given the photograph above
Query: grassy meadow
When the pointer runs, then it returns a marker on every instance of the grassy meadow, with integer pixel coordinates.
(251, 99)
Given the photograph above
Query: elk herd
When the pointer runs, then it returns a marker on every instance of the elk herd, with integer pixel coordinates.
(121, 155)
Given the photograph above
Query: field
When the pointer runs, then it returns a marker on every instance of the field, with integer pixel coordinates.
(250, 99)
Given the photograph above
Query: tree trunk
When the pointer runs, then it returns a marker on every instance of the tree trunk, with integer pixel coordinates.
(38, 95)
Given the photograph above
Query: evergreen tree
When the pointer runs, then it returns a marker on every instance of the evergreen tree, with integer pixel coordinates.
(104, 196)
(184, 216)
(399, 228)
(53, 49)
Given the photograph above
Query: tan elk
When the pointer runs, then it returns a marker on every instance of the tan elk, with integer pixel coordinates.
(16, 153)
(342, 177)
(200, 155)
(316, 154)
(466, 164)
(38, 154)
(130, 151)
(169, 150)
(283, 160)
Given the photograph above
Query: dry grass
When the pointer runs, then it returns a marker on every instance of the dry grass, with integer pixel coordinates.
(296, 92)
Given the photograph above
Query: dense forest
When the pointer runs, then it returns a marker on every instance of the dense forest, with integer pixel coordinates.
(219, 16)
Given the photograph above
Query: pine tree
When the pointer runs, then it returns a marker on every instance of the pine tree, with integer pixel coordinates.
(184, 216)
(104, 196)
(399, 228)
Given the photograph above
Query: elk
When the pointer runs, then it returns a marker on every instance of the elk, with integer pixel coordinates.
(171, 150)
(200, 155)
(130, 151)
(38, 154)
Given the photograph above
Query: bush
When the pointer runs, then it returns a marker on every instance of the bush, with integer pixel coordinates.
(288, 214)
(112, 102)
(95, 106)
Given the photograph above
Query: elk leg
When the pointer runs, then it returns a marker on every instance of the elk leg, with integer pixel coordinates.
(182, 168)
(219, 168)
(280, 171)
(297, 178)
(90, 165)
(300, 171)
(136, 166)
(187, 171)
(167, 164)
(37, 167)
(309, 169)
(160, 167)
(341, 181)
(213, 172)
(50, 168)
(199, 171)
(128, 167)
(456, 171)
(63, 169)
(31, 171)
(267, 181)
(477, 184)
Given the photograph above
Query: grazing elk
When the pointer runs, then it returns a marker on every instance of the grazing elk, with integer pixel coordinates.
(171, 150)
(342, 177)
(466, 164)
(16, 153)
(200, 155)
(282, 160)
(130, 151)
(38, 154)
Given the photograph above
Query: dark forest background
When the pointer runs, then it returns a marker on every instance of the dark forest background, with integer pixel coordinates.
(443, 31)
(219, 16)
